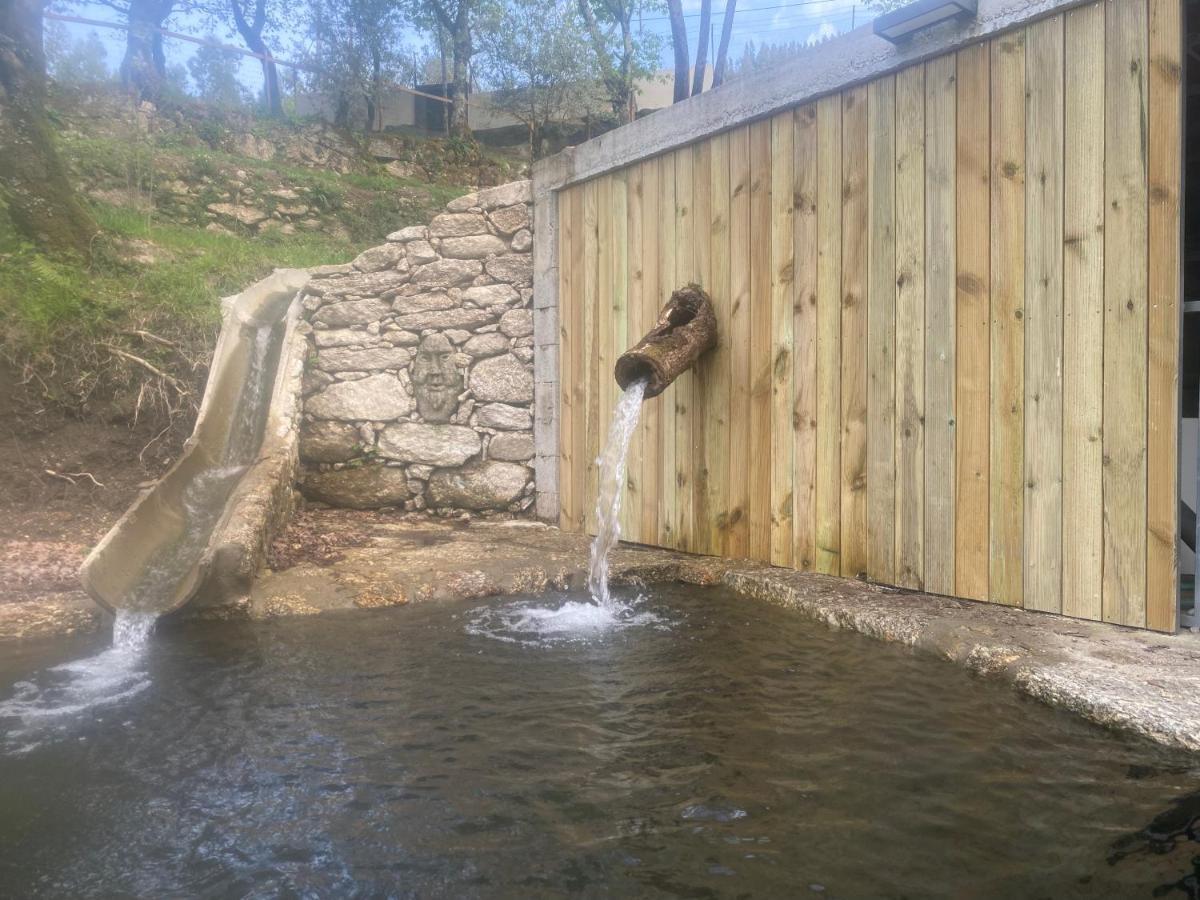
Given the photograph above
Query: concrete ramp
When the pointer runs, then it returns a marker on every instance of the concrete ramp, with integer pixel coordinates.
(200, 533)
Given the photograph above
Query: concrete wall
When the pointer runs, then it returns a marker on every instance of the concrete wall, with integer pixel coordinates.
(419, 382)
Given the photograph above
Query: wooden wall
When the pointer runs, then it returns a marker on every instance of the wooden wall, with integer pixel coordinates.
(948, 304)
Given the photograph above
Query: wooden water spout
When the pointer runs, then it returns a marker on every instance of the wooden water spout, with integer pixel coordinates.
(686, 329)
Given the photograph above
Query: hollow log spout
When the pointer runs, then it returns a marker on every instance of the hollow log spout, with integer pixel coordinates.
(685, 330)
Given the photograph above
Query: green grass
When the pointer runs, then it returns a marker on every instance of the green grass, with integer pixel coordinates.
(44, 300)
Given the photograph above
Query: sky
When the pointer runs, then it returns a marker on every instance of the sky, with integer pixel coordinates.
(760, 21)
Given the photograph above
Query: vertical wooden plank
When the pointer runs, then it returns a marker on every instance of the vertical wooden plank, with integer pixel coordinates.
(717, 411)
(591, 341)
(703, 528)
(1043, 314)
(667, 507)
(631, 513)
(1162, 452)
(939, 324)
(972, 318)
(804, 337)
(854, 333)
(760, 340)
(782, 306)
(881, 332)
(651, 301)
(1007, 446)
(1083, 311)
(1125, 286)
(568, 358)
(740, 461)
(910, 327)
(605, 326)
(829, 334)
(588, 217)
(684, 272)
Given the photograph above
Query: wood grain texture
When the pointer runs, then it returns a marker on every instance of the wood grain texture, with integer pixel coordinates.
(1006, 452)
(910, 328)
(568, 358)
(1125, 288)
(631, 512)
(761, 343)
(972, 316)
(782, 313)
(685, 268)
(643, 253)
(881, 332)
(1083, 313)
(804, 337)
(1043, 314)
(829, 335)
(717, 384)
(854, 332)
(1162, 453)
(740, 462)
(668, 246)
(940, 357)
(703, 532)
(593, 426)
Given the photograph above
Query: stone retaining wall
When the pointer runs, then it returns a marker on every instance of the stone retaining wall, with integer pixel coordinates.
(418, 389)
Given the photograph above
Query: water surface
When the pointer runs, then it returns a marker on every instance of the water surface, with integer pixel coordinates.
(717, 747)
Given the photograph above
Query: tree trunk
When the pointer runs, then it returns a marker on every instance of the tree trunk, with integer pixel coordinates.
(617, 83)
(251, 32)
(722, 59)
(33, 180)
(145, 66)
(459, 126)
(702, 47)
(679, 41)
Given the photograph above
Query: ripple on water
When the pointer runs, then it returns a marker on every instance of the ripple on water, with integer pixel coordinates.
(44, 707)
(563, 620)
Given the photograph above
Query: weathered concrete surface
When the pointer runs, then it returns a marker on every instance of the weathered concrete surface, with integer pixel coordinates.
(1134, 680)
(398, 560)
(62, 614)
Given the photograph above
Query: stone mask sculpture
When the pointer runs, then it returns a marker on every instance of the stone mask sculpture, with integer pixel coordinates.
(436, 380)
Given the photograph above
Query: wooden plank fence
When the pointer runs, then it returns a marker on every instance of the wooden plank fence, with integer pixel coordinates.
(945, 360)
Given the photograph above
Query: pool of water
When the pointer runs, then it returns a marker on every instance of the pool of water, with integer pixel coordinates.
(701, 745)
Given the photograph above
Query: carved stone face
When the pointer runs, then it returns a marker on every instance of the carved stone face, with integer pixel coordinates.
(436, 380)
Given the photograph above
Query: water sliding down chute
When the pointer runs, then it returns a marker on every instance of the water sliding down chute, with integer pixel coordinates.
(200, 532)
(685, 330)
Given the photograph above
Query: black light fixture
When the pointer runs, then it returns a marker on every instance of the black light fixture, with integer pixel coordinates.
(901, 24)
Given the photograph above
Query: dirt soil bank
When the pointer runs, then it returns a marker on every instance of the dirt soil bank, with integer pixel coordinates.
(63, 482)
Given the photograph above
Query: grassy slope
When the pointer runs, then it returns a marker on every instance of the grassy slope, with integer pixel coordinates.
(162, 263)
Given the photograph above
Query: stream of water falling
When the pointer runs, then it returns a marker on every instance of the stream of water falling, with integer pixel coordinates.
(608, 499)
(536, 623)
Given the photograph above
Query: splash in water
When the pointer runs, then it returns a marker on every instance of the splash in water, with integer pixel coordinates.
(569, 621)
(45, 706)
(608, 499)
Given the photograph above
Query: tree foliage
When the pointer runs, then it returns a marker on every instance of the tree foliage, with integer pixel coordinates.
(621, 54)
(214, 72)
(353, 47)
(536, 61)
(82, 60)
(34, 187)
